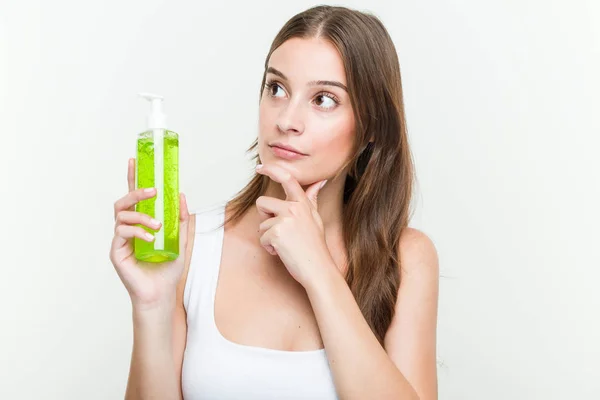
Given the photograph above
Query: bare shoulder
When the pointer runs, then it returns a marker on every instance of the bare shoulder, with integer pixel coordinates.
(411, 338)
(418, 254)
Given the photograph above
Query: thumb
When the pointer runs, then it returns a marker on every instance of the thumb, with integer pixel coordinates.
(313, 191)
(184, 219)
(184, 213)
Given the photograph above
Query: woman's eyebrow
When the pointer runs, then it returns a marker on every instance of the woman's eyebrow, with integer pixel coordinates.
(311, 83)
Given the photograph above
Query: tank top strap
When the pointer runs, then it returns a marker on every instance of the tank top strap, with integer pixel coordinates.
(204, 262)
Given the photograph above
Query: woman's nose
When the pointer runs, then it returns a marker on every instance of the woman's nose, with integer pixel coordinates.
(291, 119)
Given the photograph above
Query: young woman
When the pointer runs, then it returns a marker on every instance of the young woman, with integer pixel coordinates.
(308, 284)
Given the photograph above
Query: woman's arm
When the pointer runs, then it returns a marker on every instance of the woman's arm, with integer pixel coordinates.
(152, 375)
(406, 367)
(159, 338)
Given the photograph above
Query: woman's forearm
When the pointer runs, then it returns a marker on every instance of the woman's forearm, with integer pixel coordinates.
(360, 366)
(151, 374)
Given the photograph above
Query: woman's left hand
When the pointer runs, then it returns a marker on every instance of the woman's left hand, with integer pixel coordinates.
(292, 228)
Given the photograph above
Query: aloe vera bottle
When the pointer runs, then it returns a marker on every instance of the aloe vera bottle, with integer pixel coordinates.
(157, 167)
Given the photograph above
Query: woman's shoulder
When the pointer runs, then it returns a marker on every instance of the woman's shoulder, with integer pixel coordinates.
(209, 217)
(418, 253)
(207, 210)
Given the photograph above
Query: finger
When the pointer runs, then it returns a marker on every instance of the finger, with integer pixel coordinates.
(124, 233)
(268, 224)
(265, 241)
(131, 174)
(293, 190)
(131, 199)
(133, 218)
(270, 206)
(184, 212)
(184, 221)
(271, 250)
(313, 191)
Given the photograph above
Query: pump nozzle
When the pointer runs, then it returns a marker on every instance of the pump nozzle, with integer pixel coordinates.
(157, 118)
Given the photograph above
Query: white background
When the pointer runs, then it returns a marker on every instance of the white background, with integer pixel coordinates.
(503, 114)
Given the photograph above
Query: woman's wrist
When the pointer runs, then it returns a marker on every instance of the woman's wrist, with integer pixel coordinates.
(158, 312)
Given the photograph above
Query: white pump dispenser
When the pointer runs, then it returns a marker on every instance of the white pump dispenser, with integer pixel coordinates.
(157, 118)
(157, 124)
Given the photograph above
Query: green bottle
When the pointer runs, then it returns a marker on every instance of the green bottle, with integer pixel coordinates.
(157, 167)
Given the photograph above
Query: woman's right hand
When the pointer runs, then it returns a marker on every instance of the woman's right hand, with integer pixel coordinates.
(150, 285)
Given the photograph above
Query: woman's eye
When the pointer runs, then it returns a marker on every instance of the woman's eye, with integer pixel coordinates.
(273, 89)
(322, 100)
(325, 101)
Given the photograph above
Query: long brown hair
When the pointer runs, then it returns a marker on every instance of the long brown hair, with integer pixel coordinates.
(378, 186)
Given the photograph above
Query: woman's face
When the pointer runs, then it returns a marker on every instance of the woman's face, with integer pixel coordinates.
(304, 105)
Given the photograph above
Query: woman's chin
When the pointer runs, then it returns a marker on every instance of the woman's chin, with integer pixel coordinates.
(293, 167)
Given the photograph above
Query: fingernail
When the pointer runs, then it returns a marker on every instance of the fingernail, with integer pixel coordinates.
(323, 184)
(154, 222)
(149, 236)
(259, 166)
(149, 190)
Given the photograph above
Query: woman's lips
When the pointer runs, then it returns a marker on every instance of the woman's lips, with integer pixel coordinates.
(286, 154)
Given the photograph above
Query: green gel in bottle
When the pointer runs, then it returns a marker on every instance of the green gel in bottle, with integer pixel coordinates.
(157, 167)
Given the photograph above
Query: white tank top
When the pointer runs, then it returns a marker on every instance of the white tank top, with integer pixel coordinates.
(216, 368)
